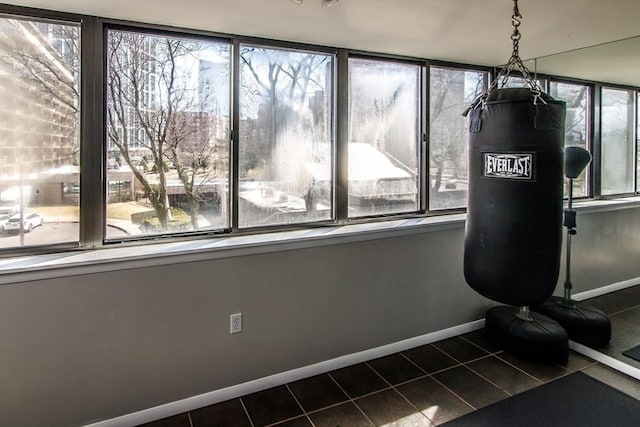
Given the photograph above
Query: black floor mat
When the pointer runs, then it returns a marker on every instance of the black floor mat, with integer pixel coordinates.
(574, 400)
(633, 353)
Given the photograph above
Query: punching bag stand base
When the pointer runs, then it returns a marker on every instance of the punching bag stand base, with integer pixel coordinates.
(540, 339)
(584, 324)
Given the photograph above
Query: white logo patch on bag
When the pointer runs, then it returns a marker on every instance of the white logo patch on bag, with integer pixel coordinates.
(508, 165)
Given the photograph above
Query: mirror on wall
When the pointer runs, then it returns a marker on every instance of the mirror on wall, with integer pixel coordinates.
(610, 64)
(617, 62)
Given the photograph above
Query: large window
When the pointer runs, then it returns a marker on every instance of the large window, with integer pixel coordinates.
(617, 144)
(168, 134)
(451, 91)
(286, 138)
(205, 133)
(577, 101)
(39, 128)
(384, 137)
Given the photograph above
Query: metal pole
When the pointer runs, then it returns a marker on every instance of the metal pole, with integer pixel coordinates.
(524, 313)
(570, 223)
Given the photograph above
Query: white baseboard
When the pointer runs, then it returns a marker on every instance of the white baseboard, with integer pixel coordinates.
(606, 289)
(195, 402)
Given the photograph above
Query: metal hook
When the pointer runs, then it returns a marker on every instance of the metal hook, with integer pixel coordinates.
(516, 12)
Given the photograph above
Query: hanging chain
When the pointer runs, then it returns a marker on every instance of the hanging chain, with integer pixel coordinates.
(515, 21)
(514, 63)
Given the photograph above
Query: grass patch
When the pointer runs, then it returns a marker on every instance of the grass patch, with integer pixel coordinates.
(181, 221)
(125, 209)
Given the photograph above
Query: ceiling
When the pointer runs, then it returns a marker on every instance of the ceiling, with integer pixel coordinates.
(465, 31)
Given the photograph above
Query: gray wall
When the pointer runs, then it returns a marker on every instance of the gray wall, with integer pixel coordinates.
(79, 349)
(606, 249)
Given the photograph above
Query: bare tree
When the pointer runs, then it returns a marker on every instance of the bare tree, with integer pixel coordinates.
(282, 82)
(576, 115)
(154, 111)
(448, 128)
(193, 154)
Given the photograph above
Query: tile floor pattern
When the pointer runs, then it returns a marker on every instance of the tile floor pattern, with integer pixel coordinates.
(424, 386)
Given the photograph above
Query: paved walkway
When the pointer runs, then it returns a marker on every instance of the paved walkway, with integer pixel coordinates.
(124, 225)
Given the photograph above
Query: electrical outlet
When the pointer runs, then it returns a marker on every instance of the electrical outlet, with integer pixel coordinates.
(235, 323)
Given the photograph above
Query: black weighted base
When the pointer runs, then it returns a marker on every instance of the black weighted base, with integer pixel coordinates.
(584, 324)
(541, 339)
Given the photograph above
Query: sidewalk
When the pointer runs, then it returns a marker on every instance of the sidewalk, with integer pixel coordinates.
(124, 225)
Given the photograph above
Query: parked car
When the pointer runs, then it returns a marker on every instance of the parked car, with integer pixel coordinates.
(3, 221)
(31, 221)
(9, 207)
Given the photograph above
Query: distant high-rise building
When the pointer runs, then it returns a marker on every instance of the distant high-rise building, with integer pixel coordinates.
(38, 97)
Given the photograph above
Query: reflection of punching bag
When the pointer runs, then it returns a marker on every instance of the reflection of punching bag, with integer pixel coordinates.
(513, 232)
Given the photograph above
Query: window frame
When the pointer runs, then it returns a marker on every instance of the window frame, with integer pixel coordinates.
(633, 140)
(333, 53)
(154, 31)
(487, 75)
(81, 22)
(590, 135)
(421, 202)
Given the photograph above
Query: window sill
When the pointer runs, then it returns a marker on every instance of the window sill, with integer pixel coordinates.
(603, 205)
(72, 263)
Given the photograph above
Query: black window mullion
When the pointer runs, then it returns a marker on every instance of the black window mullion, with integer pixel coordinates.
(596, 139)
(234, 172)
(342, 137)
(636, 125)
(92, 130)
(423, 191)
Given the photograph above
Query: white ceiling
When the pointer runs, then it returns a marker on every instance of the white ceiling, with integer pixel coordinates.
(466, 31)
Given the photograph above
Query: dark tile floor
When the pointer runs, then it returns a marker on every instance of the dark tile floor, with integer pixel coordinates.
(424, 386)
(623, 309)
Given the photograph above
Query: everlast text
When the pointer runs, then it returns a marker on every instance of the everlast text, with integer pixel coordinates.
(513, 166)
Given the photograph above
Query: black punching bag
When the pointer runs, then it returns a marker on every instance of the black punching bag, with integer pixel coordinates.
(513, 233)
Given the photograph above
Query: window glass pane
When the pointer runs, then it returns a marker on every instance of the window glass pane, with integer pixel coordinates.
(39, 143)
(286, 149)
(384, 108)
(577, 101)
(451, 92)
(513, 82)
(168, 134)
(516, 81)
(617, 141)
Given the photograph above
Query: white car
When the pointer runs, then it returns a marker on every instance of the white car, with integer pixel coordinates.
(8, 207)
(3, 221)
(31, 221)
